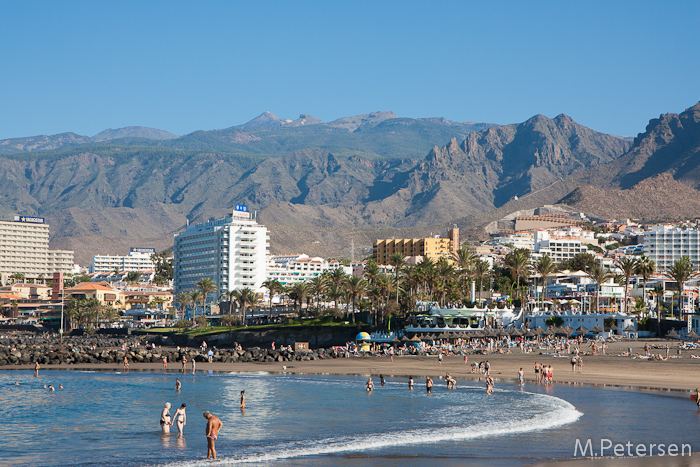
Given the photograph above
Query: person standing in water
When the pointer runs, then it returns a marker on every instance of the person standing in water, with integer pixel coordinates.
(181, 419)
(165, 420)
(212, 430)
(370, 385)
(242, 400)
(410, 383)
(36, 369)
(428, 384)
(178, 384)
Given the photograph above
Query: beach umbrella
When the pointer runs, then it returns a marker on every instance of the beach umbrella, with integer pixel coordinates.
(574, 302)
(672, 334)
(363, 336)
(613, 327)
(539, 331)
(596, 329)
(476, 334)
(691, 335)
(629, 329)
(582, 330)
(501, 333)
(569, 330)
(395, 340)
(415, 338)
(549, 331)
(530, 334)
(405, 339)
(515, 333)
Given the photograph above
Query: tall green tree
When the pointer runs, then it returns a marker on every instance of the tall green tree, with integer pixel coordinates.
(628, 266)
(298, 292)
(518, 262)
(197, 296)
(164, 267)
(481, 273)
(205, 285)
(659, 292)
(273, 286)
(398, 261)
(356, 287)
(545, 267)
(600, 275)
(184, 299)
(681, 271)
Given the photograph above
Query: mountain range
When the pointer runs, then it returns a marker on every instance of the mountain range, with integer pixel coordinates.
(321, 187)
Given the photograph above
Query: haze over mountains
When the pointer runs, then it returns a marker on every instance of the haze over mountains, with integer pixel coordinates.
(320, 185)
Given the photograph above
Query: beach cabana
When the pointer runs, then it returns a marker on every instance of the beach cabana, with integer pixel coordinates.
(581, 330)
(672, 334)
(596, 329)
(692, 335)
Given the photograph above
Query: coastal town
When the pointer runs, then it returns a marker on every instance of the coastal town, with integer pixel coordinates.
(549, 267)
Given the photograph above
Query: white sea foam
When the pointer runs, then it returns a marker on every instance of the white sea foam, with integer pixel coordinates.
(558, 413)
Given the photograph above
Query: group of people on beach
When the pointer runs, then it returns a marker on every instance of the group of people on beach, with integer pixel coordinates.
(543, 373)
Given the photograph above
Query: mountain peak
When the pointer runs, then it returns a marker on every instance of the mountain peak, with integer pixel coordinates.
(133, 132)
(265, 119)
(304, 119)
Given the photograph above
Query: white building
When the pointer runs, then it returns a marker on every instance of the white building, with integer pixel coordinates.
(518, 240)
(138, 259)
(24, 248)
(231, 251)
(561, 245)
(289, 269)
(665, 245)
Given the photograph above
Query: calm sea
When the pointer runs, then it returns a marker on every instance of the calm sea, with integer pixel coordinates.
(111, 419)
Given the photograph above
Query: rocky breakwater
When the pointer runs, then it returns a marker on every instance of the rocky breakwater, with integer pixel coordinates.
(95, 350)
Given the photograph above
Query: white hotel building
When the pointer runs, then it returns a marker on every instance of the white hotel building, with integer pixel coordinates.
(665, 244)
(231, 251)
(290, 269)
(138, 259)
(562, 245)
(24, 248)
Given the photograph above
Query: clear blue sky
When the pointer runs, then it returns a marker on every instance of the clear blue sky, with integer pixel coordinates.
(186, 66)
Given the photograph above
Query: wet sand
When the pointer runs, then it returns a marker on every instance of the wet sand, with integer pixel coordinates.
(678, 374)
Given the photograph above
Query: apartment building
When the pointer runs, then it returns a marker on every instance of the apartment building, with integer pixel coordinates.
(561, 245)
(433, 248)
(138, 259)
(666, 244)
(24, 249)
(231, 251)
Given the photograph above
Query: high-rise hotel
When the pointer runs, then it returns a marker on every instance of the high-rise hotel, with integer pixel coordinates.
(231, 251)
(24, 249)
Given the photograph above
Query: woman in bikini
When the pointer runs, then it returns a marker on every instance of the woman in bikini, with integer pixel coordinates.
(181, 419)
(165, 420)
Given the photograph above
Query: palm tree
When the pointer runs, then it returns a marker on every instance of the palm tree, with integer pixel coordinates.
(197, 296)
(230, 297)
(398, 260)
(206, 285)
(298, 291)
(246, 297)
(481, 272)
(658, 291)
(334, 293)
(518, 261)
(465, 260)
(317, 286)
(628, 266)
(545, 267)
(681, 271)
(372, 272)
(446, 273)
(645, 268)
(600, 275)
(355, 286)
(272, 286)
(184, 299)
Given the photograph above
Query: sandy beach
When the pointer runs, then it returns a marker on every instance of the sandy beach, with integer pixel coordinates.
(611, 370)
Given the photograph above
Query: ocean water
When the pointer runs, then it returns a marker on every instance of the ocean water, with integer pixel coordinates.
(112, 419)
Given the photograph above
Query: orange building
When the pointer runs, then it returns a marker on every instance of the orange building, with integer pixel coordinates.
(433, 248)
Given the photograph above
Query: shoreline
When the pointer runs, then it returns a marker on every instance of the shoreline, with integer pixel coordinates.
(675, 375)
